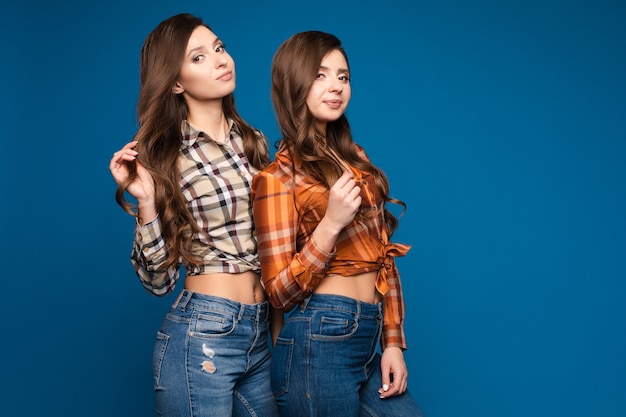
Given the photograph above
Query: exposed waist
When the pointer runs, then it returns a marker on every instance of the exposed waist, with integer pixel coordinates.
(244, 287)
(360, 287)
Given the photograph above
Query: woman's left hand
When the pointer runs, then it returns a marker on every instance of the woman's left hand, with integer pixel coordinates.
(395, 373)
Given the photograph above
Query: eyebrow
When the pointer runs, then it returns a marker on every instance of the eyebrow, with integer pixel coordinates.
(217, 41)
(340, 69)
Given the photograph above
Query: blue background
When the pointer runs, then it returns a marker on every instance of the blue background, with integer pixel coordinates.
(502, 125)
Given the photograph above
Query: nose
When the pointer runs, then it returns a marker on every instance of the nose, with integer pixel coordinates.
(336, 87)
(221, 60)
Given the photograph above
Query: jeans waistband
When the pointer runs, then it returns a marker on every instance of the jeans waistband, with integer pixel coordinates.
(339, 302)
(211, 302)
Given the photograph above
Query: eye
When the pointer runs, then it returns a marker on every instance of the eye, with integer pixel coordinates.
(220, 48)
(319, 76)
(344, 78)
(198, 58)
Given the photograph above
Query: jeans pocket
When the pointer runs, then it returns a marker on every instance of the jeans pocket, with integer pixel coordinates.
(333, 325)
(282, 356)
(160, 345)
(212, 325)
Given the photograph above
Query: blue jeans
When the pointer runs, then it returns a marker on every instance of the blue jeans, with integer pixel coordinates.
(325, 362)
(211, 358)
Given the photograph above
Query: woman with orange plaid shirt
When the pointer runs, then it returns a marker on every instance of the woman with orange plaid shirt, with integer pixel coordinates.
(323, 234)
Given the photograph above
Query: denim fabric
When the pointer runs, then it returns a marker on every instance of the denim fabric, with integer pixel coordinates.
(325, 362)
(211, 358)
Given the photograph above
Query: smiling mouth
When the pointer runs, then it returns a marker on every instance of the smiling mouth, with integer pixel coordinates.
(226, 76)
(333, 104)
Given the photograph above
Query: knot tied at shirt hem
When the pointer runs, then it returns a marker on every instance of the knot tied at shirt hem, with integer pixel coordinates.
(388, 264)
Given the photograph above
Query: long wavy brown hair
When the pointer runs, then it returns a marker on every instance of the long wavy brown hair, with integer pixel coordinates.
(294, 67)
(161, 114)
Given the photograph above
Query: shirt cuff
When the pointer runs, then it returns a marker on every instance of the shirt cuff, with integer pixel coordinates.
(148, 238)
(393, 336)
(311, 259)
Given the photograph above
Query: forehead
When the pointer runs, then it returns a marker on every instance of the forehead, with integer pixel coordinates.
(334, 59)
(201, 37)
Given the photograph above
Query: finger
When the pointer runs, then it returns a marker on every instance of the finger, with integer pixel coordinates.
(124, 153)
(125, 157)
(386, 383)
(393, 390)
(400, 382)
(347, 192)
(355, 192)
(118, 165)
(115, 163)
(129, 155)
(129, 148)
(343, 180)
(130, 145)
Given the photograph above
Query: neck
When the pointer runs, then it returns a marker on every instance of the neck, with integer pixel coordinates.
(209, 118)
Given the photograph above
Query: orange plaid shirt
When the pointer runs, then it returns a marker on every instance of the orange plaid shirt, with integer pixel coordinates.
(287, 207)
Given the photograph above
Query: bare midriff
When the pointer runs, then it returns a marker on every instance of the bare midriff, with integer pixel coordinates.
(244, 287)
(359, 287)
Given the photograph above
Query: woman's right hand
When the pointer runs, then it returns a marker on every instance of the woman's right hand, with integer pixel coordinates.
(344, 200)
(142, 188)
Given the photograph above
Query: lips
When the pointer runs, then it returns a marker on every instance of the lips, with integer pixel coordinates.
(333, 104)
(227, 76)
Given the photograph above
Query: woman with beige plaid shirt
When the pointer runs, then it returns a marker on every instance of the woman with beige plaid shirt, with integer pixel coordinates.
(190, 169)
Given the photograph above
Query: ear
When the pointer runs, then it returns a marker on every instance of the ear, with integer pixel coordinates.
(177, 88)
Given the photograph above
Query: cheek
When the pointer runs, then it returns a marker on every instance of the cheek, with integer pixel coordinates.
(316, 92)
(347, 94)
(310, 97)
(187, 78)
(310, 101)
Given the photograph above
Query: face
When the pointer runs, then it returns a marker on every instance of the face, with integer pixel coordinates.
(330, 92)
(207, 71)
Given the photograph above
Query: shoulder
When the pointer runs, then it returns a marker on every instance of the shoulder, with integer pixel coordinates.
(273, 181)
(282, 168)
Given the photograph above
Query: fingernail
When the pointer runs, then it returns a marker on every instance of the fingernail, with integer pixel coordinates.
(385, 387)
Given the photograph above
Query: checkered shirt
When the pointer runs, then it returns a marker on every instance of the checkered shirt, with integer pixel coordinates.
(215, 180)
(287, 208)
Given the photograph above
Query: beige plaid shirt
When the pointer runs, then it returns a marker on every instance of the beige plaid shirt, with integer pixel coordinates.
(215, 180)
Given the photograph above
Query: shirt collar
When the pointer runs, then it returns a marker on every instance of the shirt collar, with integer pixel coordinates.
(191, 134)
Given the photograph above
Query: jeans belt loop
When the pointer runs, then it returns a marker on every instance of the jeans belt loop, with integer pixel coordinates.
(183, 299)
(305, 303)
